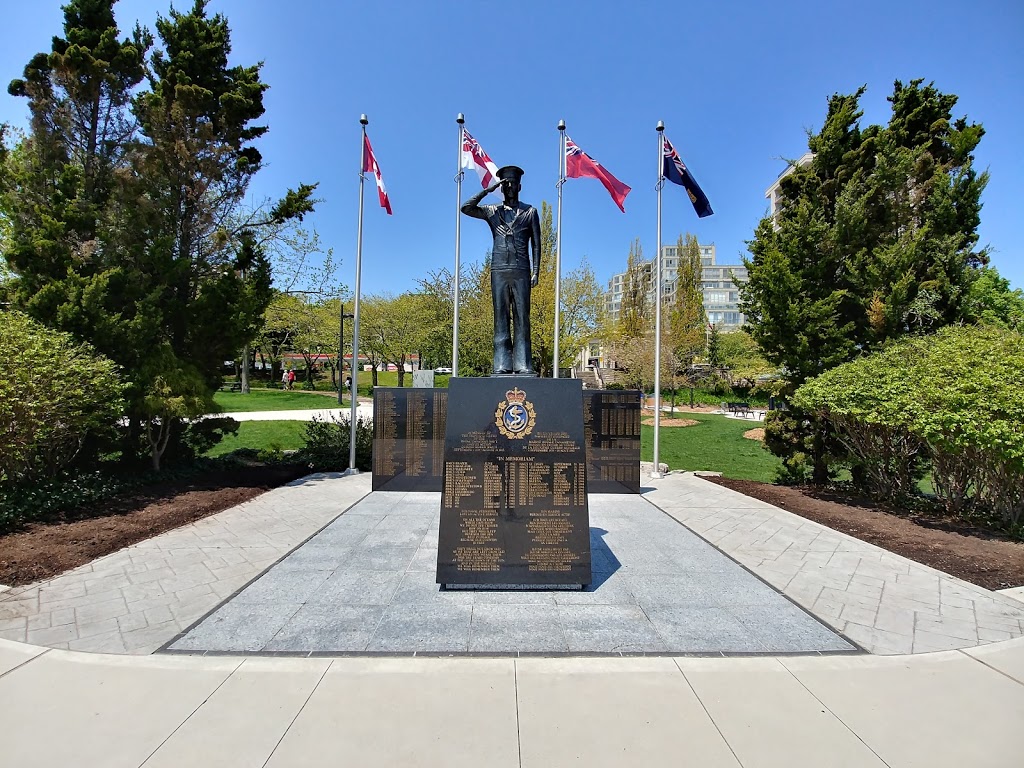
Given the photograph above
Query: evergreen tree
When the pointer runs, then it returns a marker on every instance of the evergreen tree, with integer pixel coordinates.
(714, 348)
(874, 239)
(136, 243)
(58, 181)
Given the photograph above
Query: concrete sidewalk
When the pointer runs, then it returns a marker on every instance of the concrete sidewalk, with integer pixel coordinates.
(949, 708)
(954, 708)
(364, 410)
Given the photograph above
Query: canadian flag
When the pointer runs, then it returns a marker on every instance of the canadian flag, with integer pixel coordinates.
(370, 166)
(474, 157)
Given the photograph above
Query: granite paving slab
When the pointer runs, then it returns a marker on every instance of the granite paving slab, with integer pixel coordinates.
(366, 584)
(885, 603)
(138, 598)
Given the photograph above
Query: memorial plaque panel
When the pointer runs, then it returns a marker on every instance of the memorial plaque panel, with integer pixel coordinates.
(611, 419)
(514, 500)
(408, 431)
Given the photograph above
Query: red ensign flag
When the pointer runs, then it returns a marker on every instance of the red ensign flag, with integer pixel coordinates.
(578, 164)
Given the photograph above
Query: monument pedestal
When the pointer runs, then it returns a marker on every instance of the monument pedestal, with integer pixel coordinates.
(514, 490)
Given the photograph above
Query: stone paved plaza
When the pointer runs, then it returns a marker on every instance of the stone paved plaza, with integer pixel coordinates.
(939, 709)
(143, 597)
(366, 583)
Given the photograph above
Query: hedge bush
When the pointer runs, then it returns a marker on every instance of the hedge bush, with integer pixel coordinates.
(327, 444)
(59, 401)
(952, 403)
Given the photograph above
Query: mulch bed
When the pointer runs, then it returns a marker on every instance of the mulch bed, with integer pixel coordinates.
(43, 550)
(948, 544)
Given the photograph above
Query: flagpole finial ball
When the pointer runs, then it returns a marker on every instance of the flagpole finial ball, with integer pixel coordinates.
(364, 119)
(660, 127)
(460, 118)
(561, 125)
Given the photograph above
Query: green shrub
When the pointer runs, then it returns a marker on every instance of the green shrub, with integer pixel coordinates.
(953, 401)
(60, 401)
(202, 435)
(867, 402)
(28, 501)
(786, 437)
(327, 444)
(969, 409)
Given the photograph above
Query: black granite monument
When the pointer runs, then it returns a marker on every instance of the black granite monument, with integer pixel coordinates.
(611, 421)
(514, 496)
(408, 438)
(409, 427)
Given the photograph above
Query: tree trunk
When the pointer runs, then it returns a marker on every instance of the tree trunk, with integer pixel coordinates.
(245, 369)
(130, 443)
(820, 472)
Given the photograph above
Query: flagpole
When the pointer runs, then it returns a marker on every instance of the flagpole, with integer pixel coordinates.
(352, 470)
(558, 242)
(656, 471)
(460, 119)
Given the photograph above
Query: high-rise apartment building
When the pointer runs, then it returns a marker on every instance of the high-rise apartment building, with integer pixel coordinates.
(774, 192)
(718, 284)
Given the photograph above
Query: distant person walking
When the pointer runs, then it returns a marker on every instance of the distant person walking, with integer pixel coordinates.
(284, 378)
(291, 379)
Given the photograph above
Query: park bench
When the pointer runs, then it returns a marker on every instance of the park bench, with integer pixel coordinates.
(739, 409)
(235, 386)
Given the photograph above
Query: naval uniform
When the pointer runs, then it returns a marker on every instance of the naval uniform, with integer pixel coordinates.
(514, 229)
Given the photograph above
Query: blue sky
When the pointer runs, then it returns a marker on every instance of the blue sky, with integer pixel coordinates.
(736, 83)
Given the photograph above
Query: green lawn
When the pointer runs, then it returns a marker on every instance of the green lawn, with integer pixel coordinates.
(273, 400)
(390, 379)
(716, 444)
(263, 435)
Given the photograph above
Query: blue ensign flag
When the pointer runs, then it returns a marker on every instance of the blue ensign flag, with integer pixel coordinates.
(675, 170)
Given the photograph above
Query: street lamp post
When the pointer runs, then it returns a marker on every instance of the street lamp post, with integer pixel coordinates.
(341, 353)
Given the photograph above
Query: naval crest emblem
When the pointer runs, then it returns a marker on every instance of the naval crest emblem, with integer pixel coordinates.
(515, 416)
